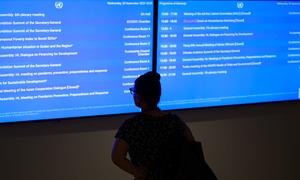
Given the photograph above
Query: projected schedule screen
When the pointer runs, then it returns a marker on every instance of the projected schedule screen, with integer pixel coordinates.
(213, 53)
(71, 58)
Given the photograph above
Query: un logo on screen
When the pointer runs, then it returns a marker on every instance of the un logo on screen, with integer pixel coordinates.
(240, 5)
(59, 4)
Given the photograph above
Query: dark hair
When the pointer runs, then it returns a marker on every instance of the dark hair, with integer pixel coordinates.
(148, 86)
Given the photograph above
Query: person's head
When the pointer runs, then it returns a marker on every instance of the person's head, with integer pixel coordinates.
(147, 90)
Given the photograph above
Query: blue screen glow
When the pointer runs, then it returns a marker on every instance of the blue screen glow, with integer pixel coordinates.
(71, 58)
(215, 53)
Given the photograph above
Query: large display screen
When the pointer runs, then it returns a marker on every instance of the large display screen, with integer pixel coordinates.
(215, 53)
(71, 58)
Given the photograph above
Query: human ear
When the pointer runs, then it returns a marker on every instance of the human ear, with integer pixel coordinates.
(137, 100)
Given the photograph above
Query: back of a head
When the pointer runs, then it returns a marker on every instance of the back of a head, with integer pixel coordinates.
(148, 86)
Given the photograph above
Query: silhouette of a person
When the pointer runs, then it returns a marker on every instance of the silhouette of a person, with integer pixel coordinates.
(150, 136)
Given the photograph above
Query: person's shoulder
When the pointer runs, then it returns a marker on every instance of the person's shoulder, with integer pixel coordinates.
(133, 120)
(127, 128)
(173, 116)
(175, 119)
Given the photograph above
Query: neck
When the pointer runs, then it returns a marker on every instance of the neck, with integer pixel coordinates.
(148, 109)
(155, 112)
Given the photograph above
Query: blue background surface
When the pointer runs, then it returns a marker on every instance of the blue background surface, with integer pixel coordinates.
(96, 31)
(274, 80)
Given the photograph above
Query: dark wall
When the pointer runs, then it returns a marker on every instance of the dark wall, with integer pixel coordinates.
(240, 143)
